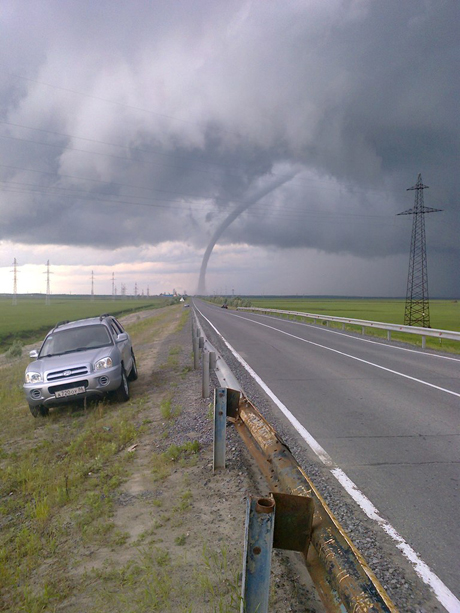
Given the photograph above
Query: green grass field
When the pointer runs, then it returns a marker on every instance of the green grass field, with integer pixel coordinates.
(444, 314)
(31, 317)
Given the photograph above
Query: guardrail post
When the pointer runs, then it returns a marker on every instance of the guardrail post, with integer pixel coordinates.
(363, 330)
(220, 426)
(388, 335)
(423, 342)
(196, 354)
(260, 524)
(201, 342)
(212, 360)
(205, 375)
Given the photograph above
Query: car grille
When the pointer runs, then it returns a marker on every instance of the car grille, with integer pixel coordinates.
(77, 371)
(66, 386)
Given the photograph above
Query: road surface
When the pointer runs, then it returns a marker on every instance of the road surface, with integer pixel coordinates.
(388, 416)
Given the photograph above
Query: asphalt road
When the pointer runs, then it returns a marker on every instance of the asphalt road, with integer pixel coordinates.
(388, 416)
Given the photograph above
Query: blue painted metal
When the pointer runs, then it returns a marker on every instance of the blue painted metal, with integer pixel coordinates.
(220, 426)
(258, 545)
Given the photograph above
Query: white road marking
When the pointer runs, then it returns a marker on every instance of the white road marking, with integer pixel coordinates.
(353, 357)
(448, 600)
(360, 339)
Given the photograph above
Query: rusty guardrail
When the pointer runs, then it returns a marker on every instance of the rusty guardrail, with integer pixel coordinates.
(342, 577)
(339, 571)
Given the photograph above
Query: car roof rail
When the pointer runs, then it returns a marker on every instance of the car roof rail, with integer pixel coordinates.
(103, 316)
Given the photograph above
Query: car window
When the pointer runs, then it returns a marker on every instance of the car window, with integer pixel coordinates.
(118, 325)
(74, 339)
(115, 330)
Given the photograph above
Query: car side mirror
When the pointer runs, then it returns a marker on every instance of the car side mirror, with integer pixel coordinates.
(122, 337)
(33, 354)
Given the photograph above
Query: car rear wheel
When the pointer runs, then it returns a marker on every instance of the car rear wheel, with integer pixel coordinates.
(38, 411)
(122, 393)
(133, 375)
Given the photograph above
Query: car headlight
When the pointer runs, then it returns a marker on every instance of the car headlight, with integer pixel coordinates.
(103, 363)
(33, 377)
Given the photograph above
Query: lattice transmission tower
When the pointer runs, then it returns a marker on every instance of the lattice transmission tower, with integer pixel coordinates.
(417, 310)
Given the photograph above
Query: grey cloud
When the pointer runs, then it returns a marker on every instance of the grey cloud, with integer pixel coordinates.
(207, 99)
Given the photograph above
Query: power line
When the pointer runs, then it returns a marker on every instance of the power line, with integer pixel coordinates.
(101, 142)
(111, 183)
(114, 102)
(351, 189)
(125, 185)
(341, 189)
(107, 155)
(288, 213)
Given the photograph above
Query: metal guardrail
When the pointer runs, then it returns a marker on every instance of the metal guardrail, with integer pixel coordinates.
(423, 332)
(342, 577)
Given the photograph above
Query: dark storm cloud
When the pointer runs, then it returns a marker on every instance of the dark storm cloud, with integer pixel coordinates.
(158, 119)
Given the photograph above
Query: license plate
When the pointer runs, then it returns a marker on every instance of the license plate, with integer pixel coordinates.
(73, 391)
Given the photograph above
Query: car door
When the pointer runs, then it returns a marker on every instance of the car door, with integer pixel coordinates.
(124, 346)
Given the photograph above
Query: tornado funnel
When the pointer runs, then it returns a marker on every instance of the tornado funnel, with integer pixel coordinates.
(247, 202)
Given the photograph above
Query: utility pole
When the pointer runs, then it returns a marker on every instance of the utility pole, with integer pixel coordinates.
(113, 286)
(417, 310)
(92, 285)
(48, 291)
(15, 283)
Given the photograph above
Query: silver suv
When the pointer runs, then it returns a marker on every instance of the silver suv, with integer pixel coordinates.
(80, 359)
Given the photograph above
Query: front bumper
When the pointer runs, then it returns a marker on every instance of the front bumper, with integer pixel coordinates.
(96, 384)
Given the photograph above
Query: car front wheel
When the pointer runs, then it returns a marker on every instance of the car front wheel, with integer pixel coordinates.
(122, 393)
(133, 375)
(38, 411)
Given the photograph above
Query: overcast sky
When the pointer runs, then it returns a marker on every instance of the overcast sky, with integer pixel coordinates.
(130, 130)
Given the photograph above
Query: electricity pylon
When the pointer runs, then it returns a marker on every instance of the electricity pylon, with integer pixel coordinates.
(92, 285)
(417, 311)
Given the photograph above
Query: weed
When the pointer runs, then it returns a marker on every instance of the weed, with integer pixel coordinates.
(175, 452)
(185, 502)
(119, 537)
(180, 540)
(167, 410)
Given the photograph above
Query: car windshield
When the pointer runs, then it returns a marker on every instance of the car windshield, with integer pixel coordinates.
(75, 339)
